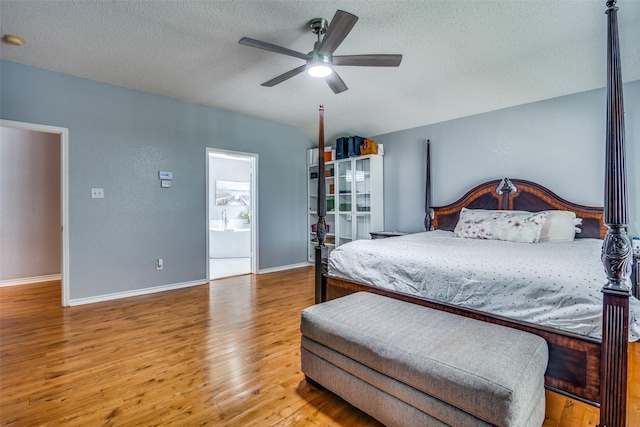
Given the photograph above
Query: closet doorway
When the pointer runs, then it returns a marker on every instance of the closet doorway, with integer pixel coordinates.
(232, 213)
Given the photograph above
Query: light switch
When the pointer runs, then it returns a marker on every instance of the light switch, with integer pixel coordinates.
(97, 193)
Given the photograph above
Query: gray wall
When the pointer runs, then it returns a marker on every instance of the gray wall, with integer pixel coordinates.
(30, 242)
(559, 143)
(118, 140)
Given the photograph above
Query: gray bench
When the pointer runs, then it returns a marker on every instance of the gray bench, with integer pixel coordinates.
(408, 365)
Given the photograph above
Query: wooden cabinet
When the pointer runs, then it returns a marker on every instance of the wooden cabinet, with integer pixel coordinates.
(354, 200)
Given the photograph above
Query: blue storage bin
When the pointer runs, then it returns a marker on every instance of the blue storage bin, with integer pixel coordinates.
(342, 148)
(354, 145)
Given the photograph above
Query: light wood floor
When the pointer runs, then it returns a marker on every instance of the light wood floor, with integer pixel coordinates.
(224, 355)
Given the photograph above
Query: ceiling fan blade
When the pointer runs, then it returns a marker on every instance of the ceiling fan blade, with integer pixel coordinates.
(368, 60)
(271, 47)
(335, 83)
(285, 76)
(339, 28)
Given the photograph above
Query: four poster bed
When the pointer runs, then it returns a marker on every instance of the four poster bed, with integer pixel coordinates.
(587, 361)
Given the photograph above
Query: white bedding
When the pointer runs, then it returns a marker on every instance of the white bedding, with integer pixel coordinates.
(555, 284)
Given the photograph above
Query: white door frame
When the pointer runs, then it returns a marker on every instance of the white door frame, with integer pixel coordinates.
(253, 209)
(64, 185)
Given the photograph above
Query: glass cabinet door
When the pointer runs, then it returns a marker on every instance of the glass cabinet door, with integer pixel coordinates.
(362, 178)
(346, 227)
(363, 226)
(345, 192)
(344, 186)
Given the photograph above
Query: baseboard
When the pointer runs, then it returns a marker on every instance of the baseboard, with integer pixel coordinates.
(136, 292)
(283, 267)
(30, 280)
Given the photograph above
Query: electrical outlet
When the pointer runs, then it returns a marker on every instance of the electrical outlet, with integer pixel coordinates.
(97, 193)
(159, 264)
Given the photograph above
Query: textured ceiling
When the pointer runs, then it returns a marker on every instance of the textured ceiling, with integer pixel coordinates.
(459, 57)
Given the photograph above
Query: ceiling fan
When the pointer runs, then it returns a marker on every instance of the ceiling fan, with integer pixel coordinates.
(320, 61)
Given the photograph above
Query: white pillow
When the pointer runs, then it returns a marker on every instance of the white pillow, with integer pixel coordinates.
(512, 226)
(559, 227)
(578, 225)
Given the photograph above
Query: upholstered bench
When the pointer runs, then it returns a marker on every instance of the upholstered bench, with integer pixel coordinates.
(408, 365)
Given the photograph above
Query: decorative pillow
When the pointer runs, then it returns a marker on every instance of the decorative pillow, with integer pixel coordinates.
(578, 225)
(513, 226)
(558, 227)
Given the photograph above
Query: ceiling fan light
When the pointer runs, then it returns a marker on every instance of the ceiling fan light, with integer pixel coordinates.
(319, 65)
(319, 70)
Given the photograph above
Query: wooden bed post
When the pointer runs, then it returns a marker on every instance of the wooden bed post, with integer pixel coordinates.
(427, 194)
(616, 249)
(321, 251)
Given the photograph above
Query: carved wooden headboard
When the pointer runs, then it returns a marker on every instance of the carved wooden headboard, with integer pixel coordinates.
(517, 194)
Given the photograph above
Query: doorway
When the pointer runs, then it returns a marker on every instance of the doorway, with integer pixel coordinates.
(232, 214)
(61, 137)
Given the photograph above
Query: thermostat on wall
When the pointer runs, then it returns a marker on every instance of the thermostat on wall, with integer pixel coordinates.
(165, 175)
